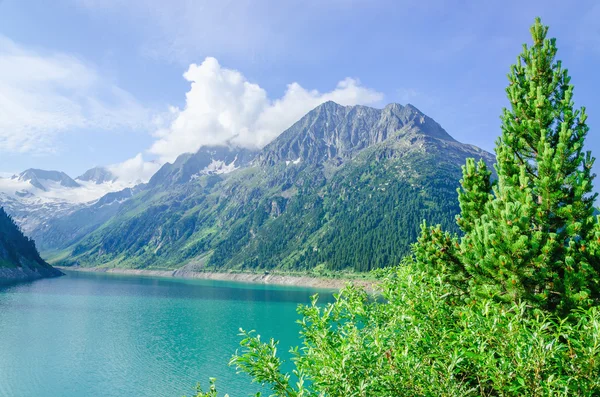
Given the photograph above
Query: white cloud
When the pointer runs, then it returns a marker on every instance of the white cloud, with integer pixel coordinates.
(134, 170)
(45, 94)
(223, 107)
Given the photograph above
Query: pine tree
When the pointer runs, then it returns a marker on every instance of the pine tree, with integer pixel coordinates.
(533, 235)
(543, 203)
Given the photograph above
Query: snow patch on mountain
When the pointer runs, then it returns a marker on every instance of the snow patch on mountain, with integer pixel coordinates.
(297, 161)
(217, 167)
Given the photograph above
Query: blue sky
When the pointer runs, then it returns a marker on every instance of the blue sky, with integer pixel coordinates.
(91, 82)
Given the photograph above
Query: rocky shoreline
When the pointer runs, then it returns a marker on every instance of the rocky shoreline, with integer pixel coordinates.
(268, 278)
(13, 275)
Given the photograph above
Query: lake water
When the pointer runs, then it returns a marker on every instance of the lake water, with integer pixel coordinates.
(92, 334)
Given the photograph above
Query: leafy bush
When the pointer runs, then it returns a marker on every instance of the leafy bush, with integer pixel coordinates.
(421, 338)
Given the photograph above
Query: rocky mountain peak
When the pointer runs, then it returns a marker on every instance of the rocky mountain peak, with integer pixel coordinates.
(332, 131)
(329, 106)
(42, 178)
(97, 175)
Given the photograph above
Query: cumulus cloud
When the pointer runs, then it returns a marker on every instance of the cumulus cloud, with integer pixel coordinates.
(45, 94)
(223, 107)
(134, 170)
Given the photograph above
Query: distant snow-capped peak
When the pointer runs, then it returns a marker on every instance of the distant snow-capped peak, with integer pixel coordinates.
(41, 186)
(98, 175)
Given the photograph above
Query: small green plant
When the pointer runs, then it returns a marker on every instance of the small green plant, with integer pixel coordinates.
(212, 390)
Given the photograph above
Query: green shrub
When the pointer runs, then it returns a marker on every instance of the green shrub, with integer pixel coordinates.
(420, 338)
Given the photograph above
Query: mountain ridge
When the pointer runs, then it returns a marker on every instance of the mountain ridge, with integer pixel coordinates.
(38, 177)
(357, 127)
(207, 160)
(344, 187)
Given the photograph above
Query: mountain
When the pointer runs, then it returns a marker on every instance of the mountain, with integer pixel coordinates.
(19, 259)
(59, 232)
(345, 187)
(45, 180)
(333, 132)
(37, 199)
(98, 175)
(70, 227)
(30, 210)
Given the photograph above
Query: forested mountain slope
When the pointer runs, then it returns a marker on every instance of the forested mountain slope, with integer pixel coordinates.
(344, 188)
(19, 259)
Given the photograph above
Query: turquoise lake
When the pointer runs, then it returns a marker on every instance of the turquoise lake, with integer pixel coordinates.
(93, 334)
